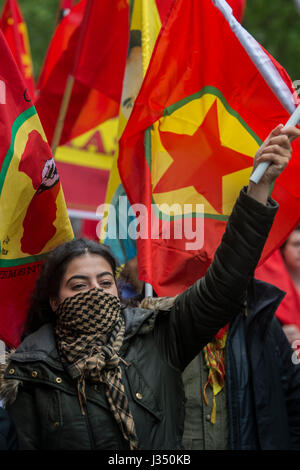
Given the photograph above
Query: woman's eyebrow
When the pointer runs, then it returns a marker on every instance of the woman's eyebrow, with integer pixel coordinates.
(86, 278)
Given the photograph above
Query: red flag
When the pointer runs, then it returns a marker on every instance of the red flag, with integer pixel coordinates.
(15, 32)
(238, 8)
(164, 8)
(65, 7)
(59, 42)
(94, 38)
(33, 215)
(66, 4)
(206, 104)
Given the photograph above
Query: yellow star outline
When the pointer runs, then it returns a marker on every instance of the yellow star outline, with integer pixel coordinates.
(185, 120)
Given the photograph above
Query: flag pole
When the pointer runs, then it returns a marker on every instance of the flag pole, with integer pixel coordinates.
(70, 82)
(262, 167)
(62, 114)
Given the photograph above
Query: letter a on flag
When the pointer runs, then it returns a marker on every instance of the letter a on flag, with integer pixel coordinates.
(33, 215)
(211, 95)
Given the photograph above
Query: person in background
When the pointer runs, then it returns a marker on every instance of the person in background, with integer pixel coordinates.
(248, 381)
(282, 269)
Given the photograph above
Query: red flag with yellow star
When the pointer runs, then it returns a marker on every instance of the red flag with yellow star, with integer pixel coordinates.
(33, 215)
(15, 32)
(210, 97)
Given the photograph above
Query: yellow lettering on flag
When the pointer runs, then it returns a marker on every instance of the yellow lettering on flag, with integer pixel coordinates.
(93, 149)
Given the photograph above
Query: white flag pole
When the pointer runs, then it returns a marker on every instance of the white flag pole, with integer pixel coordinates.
(261, 168)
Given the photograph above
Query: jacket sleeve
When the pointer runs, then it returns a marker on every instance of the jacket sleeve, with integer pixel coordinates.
(214, 300)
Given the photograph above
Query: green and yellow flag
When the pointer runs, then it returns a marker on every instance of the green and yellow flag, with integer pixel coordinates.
(33, 216)
(15, 32)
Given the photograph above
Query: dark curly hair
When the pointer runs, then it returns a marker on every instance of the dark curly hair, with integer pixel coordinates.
(48, 283)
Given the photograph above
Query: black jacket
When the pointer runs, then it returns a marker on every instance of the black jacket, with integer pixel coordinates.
(157, 347)
(263, 384)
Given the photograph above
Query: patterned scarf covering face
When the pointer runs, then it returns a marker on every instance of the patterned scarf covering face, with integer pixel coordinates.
(90, 331)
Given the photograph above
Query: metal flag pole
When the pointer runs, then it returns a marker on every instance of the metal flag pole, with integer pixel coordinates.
(148, 290)
(261, 168)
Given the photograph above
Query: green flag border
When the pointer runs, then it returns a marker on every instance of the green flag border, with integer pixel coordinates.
(27, 114)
